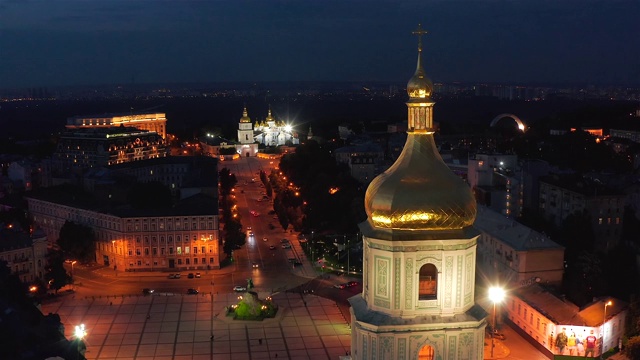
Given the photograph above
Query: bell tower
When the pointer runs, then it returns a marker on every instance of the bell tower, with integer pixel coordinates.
(417, 299)
(245, 129)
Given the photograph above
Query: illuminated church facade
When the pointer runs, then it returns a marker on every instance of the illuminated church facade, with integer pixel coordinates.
(418, 291)
(269, 132)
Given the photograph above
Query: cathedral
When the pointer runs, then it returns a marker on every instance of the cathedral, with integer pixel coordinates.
(417, 299)
(269, 132)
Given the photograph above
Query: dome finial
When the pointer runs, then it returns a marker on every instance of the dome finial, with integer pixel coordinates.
(419, 31)
(419, 85)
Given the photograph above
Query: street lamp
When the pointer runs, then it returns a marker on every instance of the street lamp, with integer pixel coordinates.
(604, 319)
(80, 333)
(496, 295)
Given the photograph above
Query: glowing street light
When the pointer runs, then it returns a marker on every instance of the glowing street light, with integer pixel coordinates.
(604, 322)
(496, 295)
(80, 333)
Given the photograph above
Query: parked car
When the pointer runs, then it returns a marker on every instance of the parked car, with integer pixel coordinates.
(265, 239)
(190, 276)
(239, 288)
(171, 276)
(498, 335)
(272, 247)
(192, 291)
(284, 241)
(198, 275)
(297, 263)
(286, 246)
(177, 276)
(147, 291)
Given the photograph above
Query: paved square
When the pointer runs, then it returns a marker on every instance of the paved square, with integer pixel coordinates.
(175, 326)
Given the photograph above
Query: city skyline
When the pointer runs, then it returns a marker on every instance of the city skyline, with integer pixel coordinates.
(118, 42)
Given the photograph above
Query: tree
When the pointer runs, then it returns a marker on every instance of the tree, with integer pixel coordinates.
(56, 275)
(633, 348)
(227, 181)
(77, 241)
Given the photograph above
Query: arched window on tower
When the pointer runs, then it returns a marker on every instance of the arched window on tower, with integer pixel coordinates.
(428, 282)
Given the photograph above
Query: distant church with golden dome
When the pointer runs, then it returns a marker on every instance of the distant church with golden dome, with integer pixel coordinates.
(419, 259)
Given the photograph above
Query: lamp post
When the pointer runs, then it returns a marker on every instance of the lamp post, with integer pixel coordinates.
(604, 320)
(80, 333)
(496, 295)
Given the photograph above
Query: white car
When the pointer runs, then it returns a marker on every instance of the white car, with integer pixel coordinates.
(265, 239)
(239, 288)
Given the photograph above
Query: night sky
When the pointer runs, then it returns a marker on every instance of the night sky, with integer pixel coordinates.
(85, 42)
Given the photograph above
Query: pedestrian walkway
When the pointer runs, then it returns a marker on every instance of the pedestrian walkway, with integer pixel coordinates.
(195, 327)
(500, 350)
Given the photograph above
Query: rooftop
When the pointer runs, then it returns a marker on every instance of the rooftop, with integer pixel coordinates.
(580, 185)
(511, 232)
(564, 312)
(198, 204)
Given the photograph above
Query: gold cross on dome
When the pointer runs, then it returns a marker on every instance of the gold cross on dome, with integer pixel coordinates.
(419, 31)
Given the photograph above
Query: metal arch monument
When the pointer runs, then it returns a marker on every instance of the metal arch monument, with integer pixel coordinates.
(521, 125)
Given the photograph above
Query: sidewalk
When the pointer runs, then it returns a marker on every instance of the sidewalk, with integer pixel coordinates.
(500, 351)
(618, 356)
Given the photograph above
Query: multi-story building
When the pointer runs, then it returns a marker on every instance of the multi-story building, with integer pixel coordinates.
(26, 255)
(365, 160)
(561, 196)
(23, 173)
(187, 175)
(495, 182)
(185, 236)
(96, 147)
(511, 253)
(153, 122)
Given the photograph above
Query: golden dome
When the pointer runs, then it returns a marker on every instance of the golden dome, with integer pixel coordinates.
(245, 117)
(419, 192)
(419, 86)
(269, 117)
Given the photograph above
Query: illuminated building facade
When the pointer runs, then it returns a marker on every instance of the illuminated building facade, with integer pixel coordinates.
(25, 255)
(153, 122)
(274, 132)
(512, 253)
(495, 180)
(87, 148)
(565, 320)
(182, 237)
(247, 143)
(419, 260)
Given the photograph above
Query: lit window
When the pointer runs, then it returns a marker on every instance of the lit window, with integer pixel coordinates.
(428, 286)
